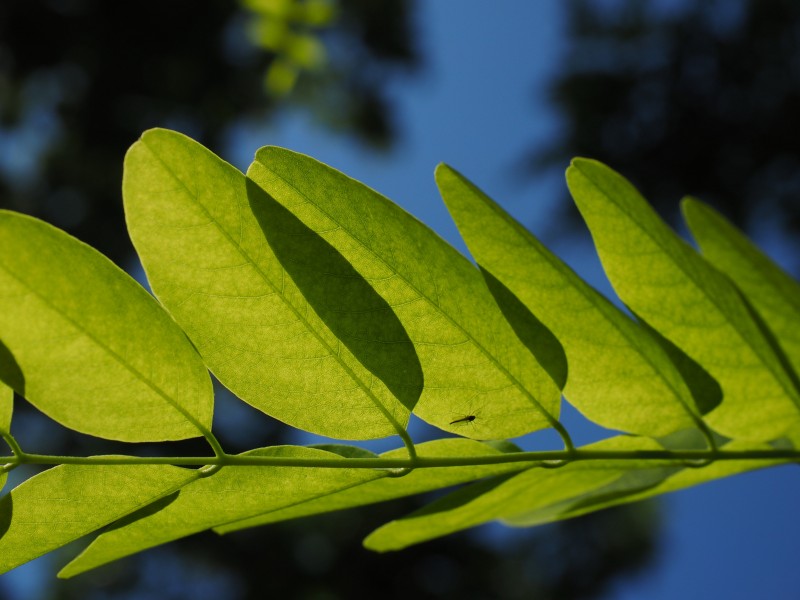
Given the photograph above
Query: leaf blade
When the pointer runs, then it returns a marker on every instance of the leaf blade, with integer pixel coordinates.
(197, 232)
(436, 293)
(390, 488)
(88, 346)
(651, 268)
(6, 410)
(67, 502)
(206, 503)
(679, 479)
(494, 498)
(771, 290)
(649, 397)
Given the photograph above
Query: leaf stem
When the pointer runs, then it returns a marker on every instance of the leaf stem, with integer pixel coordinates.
(18, 455)
(567, 456)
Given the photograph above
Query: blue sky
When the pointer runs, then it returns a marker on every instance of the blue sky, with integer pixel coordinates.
(479, 106)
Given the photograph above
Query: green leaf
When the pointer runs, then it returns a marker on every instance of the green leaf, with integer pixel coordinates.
(88, 346)
(231, 494)
(390, 488)
(671, 479)
(619, 376)
(772, 291)
(6, 408)
(692, 304)
(66, 502)
(474, 365)
(342, 366)
(509, 494)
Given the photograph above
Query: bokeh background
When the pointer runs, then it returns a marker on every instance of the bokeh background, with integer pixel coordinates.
(683, 97)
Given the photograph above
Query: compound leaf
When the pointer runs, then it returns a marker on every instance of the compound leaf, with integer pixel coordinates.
(473, 363)
(772, 291)
(669, 480)
(232, 494)
(619, 376)
(495, 498)
(389, 488)
(689, 302)
(88, 346)
(66, 502)
(343, 370)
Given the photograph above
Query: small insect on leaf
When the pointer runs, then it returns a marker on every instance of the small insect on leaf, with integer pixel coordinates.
(467, 419)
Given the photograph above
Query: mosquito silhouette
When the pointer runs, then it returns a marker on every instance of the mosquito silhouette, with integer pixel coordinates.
(467, 419)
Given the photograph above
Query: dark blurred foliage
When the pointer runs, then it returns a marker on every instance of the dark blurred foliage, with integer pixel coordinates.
(687, 98)
(79, 81)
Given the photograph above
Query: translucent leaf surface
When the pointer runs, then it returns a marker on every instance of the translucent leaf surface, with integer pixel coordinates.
(66, 502)
(389, 488)
(473, 363)
(88, 346)
(342, 367)
(232, 494)
(688, 301)
(619, 376)
(6, 408)
(508, 494)
(772, 291)
(670, 479)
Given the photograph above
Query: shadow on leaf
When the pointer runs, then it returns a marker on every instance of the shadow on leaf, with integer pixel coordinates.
(541, 342)
(705, 390)
(10, 373)
(6, 512)
(145, 511)
(342, 298)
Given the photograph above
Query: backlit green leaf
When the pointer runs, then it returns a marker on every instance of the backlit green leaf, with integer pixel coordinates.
(772, 291)
(473, 363)
(619, 376)
(508, 494)
(669, 479)
(6, 408)
(389, 488)
(88, 346)
(692, 304)
(232, 494)
(66, 502)
(285, 322)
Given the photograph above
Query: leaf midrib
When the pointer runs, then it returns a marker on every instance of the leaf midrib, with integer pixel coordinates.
(117, 357)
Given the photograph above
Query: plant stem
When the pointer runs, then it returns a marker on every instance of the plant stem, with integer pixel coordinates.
(420, 462)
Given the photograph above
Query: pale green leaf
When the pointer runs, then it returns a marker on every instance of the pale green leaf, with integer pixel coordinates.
(474, 365)
(88, 346)
(492, 499)
(6, 409)
(232, 494)
(307, 341)
(687, 300)
(619, 376)
(66, 502)
(772, 291)
(389, 488)
(669, 479)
